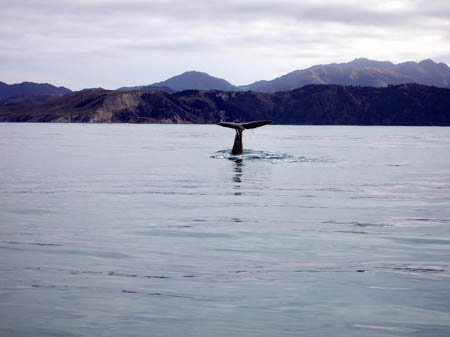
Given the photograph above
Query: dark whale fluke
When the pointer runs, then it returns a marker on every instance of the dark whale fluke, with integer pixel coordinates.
(240, 127)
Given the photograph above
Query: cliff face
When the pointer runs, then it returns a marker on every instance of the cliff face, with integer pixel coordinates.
(408, 104)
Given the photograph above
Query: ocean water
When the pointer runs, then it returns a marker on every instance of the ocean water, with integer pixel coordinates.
(156, 230)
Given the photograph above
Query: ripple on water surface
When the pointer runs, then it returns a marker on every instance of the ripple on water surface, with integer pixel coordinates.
(270, 156)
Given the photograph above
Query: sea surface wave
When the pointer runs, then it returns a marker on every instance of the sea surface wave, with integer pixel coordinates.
(136, 230)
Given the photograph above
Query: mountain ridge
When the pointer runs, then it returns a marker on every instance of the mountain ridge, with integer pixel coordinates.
(360, 71)
(30, 89)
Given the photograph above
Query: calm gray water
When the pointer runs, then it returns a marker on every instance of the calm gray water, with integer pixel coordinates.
(154, 230)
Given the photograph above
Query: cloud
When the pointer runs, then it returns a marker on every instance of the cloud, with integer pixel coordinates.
(157, 38)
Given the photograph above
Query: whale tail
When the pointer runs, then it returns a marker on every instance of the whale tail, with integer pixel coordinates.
(240, 127)
(243, 126)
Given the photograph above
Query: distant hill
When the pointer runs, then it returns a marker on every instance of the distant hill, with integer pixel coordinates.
(406, 104)
(187, 81)
(362, 72)
(30, 89)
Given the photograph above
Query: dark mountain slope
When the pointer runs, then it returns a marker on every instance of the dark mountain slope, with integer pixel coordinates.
(408, 104)
(104, 106)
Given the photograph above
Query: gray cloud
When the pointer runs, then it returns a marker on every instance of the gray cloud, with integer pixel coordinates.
(218, 11)
(174, 34)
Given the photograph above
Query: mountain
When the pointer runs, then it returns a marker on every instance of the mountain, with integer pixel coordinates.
(188, 80)
(426, 72)
(406, 104)
(30, 89)
(360, 72)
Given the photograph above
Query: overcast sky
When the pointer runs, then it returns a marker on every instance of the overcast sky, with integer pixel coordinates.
(113, 43)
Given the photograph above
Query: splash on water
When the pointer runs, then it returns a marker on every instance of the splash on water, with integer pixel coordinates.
(262, 155)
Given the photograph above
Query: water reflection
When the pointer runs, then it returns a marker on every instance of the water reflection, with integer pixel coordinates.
(237, 169)
(237, 175)
(249, 178)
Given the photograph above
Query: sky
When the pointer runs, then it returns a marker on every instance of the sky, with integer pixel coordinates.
(113, 43)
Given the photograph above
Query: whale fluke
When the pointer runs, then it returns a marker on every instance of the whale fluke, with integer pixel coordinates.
(240, 127)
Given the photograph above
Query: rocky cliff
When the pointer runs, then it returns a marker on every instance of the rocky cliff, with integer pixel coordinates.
(407, 104)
